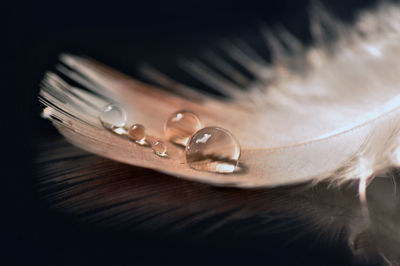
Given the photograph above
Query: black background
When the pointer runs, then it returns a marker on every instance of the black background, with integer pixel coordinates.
(123, 35)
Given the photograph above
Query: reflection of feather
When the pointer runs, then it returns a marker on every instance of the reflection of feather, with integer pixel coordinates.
(329, 112)
(111, 194)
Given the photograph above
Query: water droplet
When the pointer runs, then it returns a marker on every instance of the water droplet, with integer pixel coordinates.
(158, 147)
(213, 149)
(181, 126)
(113, 117)
(137, 133)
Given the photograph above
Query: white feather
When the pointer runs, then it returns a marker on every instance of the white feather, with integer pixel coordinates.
(330, 111)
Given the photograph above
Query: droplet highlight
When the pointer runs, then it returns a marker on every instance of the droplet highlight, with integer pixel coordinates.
(137, 133)
(46, 113)
(213, 149)
(180, 126)
(158, 147)
(113, 118)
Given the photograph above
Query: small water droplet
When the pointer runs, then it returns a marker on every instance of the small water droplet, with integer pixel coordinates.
(113, 117)
(137, 133)
(213, 149)
(180, 126)
(158, 147)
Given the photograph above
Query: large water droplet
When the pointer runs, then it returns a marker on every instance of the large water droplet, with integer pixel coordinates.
(158, 147)
(137, 133)
(180, 126)
(213, 149)
(113, 117)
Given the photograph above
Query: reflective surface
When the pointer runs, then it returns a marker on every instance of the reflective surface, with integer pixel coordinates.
(213, 149)
(317, 223)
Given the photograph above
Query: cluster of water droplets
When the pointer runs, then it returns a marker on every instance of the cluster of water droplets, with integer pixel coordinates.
(114, 118)
(211, 149)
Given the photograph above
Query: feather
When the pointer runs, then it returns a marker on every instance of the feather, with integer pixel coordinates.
(330, 111)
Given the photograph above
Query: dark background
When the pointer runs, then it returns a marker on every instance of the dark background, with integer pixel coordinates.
(123, 35)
